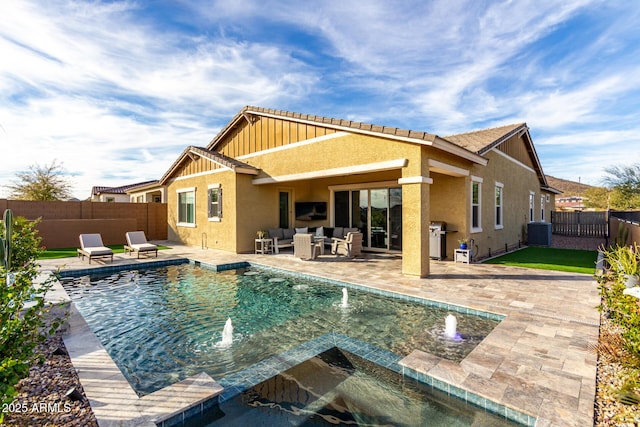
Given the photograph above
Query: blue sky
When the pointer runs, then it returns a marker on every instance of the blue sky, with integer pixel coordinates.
(115, 90)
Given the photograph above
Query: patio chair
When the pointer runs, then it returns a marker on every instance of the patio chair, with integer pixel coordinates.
(304, 246)
(92, 247)
(137, 242)
(350, 246)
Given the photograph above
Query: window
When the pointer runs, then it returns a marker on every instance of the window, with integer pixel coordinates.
(531, 206)
(214, 201)
(187, 207)
(499, 199)
(476, 206)
(542, 208)
(110, 199)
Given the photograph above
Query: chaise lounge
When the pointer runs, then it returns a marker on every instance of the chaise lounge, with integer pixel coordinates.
(92, 247)
(137, 242)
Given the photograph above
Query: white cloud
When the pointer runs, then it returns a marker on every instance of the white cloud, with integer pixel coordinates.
(116, 90)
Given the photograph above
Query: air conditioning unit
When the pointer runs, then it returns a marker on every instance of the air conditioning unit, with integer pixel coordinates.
(539, 233)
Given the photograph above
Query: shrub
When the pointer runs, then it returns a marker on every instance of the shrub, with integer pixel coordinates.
(623, 310)
(22, 305)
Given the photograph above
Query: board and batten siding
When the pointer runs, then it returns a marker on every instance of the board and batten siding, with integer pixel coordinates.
(266, 133)
(516, 149)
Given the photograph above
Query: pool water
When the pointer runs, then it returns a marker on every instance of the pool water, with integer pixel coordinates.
(164, 324)
(340, 388)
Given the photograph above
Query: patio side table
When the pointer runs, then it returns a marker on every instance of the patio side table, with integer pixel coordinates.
(263, 246)
(462, 255)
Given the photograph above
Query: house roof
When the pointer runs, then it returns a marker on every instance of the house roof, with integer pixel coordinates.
(250, 112)
(118, 190)
(481, 141)
(192, 152)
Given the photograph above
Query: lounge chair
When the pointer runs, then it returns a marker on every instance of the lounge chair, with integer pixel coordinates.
(350, 246)
(305, 247)
(137, 242)
(92, 247)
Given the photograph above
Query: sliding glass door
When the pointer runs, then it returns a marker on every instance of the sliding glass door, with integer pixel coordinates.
(377, 212)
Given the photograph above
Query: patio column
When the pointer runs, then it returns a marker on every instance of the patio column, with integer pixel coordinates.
(415, 223)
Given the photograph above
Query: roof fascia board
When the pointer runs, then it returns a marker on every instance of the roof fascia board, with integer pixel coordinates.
(550, 189)
(341, 171)
(447, 169)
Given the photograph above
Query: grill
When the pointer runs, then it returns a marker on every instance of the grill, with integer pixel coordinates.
(437, 240)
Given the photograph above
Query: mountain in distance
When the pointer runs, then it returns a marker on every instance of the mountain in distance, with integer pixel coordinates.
(568, 188)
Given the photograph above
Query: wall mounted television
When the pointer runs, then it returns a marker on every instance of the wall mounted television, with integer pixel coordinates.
(311, 211)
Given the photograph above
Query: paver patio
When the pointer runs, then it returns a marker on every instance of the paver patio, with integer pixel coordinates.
(535, 361)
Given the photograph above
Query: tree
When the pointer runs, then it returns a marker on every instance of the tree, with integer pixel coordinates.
(625, 183)
(597, 198)
(41, 183)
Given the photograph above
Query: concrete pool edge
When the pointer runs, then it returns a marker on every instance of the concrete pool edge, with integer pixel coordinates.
(136, 417)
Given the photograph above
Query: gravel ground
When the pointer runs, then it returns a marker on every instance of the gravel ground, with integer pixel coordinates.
(609, 412)
(41, 400)
(582, 243)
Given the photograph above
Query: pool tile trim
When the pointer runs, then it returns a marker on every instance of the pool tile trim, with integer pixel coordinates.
(121, 267)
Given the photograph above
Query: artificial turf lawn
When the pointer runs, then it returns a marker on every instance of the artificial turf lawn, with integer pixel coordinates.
(571, 260)
(71, 252)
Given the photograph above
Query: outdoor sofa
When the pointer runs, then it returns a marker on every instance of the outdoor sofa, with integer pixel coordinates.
(283, 237)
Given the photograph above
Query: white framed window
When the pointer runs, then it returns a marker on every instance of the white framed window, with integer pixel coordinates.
(476, 204)
(531, 205)
(187, 207)
(499, 198)
(214, 202)
(542, 198)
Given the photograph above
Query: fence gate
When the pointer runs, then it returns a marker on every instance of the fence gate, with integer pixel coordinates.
(581, 224)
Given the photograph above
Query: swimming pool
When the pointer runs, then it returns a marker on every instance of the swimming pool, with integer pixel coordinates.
(161, 325)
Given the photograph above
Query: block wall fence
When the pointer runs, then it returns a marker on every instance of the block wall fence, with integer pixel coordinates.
(62, 222)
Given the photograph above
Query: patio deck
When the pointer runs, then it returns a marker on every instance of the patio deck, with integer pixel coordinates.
(535, 361)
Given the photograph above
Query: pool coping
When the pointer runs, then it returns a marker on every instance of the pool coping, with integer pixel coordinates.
(168, 411)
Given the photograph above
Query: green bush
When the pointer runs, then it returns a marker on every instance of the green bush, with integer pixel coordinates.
(22, 306)
(622, 309)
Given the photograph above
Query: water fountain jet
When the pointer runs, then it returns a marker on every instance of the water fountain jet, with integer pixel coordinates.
(345, 298)
(227, 334)
(451, 324)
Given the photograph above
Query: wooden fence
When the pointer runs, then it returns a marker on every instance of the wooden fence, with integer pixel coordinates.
(581, 224)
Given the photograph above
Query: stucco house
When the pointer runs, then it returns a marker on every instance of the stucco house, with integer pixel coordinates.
(141, 192)
(266, 166)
